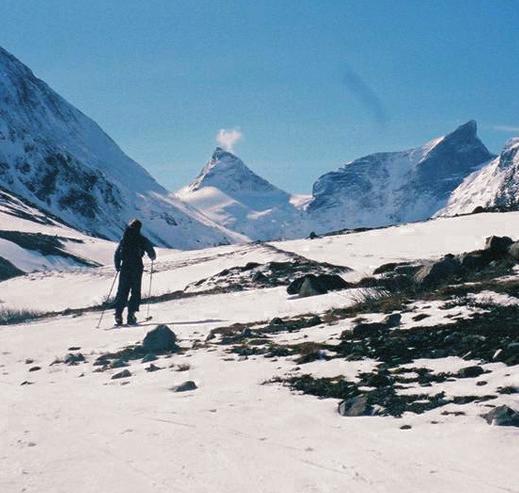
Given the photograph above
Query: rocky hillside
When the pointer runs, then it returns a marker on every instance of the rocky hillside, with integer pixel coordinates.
(33, 240)
(62, 161)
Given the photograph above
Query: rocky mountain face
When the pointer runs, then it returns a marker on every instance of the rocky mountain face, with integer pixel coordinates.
(231, 194)
(493, 187)
(57, 158)
(395, 187)
(34, 240)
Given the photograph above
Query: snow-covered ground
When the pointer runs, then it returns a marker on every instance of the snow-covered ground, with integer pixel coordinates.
(72, 428)
(365, 251)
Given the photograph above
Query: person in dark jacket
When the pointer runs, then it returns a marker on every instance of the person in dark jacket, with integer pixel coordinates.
(128, 261)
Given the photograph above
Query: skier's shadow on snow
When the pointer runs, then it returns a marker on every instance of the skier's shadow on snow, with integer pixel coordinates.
(185, 322)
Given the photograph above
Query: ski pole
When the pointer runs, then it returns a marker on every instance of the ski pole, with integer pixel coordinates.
(149, 294)
(106, 300)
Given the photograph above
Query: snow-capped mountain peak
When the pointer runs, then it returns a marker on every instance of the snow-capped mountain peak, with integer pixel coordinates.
(393, 187)
(231, 194)
(494, 186)
(229, 174)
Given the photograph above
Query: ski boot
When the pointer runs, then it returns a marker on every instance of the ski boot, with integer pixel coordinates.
(131, 319)
(118, 319)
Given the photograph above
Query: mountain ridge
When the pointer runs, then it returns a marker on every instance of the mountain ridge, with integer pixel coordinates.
(56, 157)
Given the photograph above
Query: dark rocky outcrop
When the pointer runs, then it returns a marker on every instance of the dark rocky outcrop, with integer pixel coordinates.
(436, 272)
(502, 416)
(185, 387)
(312, 285)
(8, 270)
(365, 329)
(471, 372)
(121, 374)
(498, 245)
(355, 406)
(160, 340)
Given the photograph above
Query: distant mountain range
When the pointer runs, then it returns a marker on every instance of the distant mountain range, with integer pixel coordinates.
(61, 162)
(376, 190)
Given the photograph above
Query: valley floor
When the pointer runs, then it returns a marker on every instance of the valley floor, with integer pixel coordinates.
(73, 428)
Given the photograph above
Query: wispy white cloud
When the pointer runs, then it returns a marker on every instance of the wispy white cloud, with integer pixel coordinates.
(505, 128)
(227, 138)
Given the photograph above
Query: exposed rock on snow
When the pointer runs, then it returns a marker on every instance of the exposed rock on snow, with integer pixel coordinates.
(159, 340)
(355, 406)
(498, 245)
(312, 285)
(364, 329)
(46, 245)
(254, 275)
(502, 416)
(149, 357)
(8, 270)
(122, 374)
(185, 387)
(437, 272)
(471, 372)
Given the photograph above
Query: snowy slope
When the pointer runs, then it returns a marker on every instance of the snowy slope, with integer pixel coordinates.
(362, 252)
(496, 185)
(239, 430)
(59, 159)
(395, 187)
(232, 195)
(31, 239)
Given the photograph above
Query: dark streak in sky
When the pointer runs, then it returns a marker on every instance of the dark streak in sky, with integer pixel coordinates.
(365, 95)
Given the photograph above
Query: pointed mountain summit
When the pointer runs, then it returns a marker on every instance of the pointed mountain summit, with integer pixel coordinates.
(57, 158)
(394, 187)
(493, 187)
(229, 174)
(231, 194)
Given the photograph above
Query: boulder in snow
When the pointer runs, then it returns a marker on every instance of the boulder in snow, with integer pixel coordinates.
(312, 285)
(184, 387)
(502, 416)
(355, 406)
(476, 260)
(498, 245)
(471, 372)
(160, 340)
(121, 374)
(434, 273)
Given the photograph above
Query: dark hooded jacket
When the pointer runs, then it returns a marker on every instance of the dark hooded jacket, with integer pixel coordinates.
(132, 247)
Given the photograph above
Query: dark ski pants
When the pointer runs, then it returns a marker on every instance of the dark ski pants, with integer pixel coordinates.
(129, 285)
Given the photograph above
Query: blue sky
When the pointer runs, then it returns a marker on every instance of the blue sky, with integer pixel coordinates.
(308, 84)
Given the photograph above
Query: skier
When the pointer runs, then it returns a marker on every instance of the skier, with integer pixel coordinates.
(128, 261)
